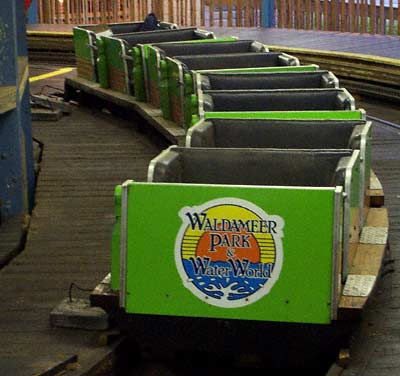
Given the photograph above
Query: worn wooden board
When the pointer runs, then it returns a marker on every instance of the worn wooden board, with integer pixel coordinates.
(168, 129)
(367, 260)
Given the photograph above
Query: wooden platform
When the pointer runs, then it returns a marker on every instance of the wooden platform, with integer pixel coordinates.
(169, 129)
(377, 45)
(85, 155)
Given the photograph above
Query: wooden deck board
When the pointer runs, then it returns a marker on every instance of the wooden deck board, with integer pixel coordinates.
(85, 155)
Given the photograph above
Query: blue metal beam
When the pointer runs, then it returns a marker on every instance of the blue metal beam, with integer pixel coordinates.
(16, 156)
(268, 13)
(33, 12)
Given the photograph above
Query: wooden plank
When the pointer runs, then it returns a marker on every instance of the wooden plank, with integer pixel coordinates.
(362, 18)
(283, 14)
(351, 16)
(211, 14)
(333, 16)
(57, 13)
(230, 13)
(343, 16)
(238, 15)
(47, 12)
(366, 261)
(308, 16)
(202, 13)
(382, 20)
(377, 217)
(40, 11)
(45, 114)
(169, 129)
(193, 12)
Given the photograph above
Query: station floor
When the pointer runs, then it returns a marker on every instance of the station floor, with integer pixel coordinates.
(374, 45)
(85, 155)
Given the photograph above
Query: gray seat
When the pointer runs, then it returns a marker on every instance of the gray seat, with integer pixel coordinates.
(166, 35)
(267, 80)
(237, 46)
(238, 60)
(277, 100)
(277, 167)
(265, 133)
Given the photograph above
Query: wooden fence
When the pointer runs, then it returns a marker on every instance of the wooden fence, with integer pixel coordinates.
(183, 12)
(363, 16)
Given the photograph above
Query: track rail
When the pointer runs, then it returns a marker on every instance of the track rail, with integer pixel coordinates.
(384, 122)
(368, 75)
(54, 47)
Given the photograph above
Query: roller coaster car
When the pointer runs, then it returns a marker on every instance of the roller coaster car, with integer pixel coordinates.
(250, 234)
(86, 38)
(156, 53)
(180, 70)
(290, 134)
(121, 66)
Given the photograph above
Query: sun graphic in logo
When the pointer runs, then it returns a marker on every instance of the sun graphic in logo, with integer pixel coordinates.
(228, 252)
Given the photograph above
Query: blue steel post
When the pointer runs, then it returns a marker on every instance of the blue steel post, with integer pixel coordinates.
(33, 12)
(16, 155)
(268, 13)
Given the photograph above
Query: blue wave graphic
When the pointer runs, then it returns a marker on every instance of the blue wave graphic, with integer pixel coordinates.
(227, 285)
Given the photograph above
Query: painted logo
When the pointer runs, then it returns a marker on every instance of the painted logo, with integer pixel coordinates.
(229, 251)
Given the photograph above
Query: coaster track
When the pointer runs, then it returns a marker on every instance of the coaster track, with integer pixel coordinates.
(369, 75)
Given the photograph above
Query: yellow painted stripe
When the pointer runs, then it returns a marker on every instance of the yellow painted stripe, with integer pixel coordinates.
(51, 74)
(37, 33)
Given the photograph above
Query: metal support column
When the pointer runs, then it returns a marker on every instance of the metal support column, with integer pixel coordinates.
(268, 13)
(16, 152)
(33, 12)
